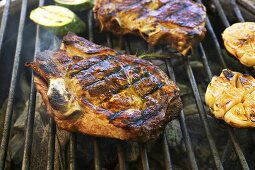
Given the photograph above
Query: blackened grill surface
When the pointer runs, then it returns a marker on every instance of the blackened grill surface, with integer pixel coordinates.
(168, 156)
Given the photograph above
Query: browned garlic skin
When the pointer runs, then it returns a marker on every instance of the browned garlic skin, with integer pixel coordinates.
(239, 40)
(230, 97)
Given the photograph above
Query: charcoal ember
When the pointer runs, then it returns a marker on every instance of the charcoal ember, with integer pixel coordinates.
(173, 133)
(85, 151)
(199, 140)
(19, 117)
(62, 153)
(39, 148)
(2, 117)
(189, 104)
(20, 123)
(220, 134)
(108, 151)
(155, 156)
(137, 46)
(16, 147)
(132, 151)
(184, 89)
(190, 109)
(16, 144)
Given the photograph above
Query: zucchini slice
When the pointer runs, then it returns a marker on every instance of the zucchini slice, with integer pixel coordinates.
(76, 5)
(58, 19)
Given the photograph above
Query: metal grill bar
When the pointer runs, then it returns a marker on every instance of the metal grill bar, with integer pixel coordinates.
(168, 164)
(73, 151)
(31, 109)
(4, 21)
(216, 42)
(90, 26)
(51, 145)
(238, 149)
(8, 116)
(97, 160)
(127, 45)
(225, 20)
(121, 158)
(221, 13)
(191, 155)
(226, 151)
(237, 11)
(246, 5)
(29, 128)
(144, 157)
(205, 62)
(202, 114)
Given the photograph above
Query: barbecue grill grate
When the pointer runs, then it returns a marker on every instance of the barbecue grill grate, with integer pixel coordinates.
(233, 142)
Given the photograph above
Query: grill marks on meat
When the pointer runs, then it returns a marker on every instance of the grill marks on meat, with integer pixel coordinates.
(179, 24)
(111, 94)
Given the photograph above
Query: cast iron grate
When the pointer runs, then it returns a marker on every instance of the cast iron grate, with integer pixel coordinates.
(121, 158)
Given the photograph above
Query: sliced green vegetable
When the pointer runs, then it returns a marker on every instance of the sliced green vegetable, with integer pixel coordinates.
(76, 5)
(58, 19)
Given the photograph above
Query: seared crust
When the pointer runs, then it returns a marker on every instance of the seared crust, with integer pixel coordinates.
(179, 24)
(105, 93)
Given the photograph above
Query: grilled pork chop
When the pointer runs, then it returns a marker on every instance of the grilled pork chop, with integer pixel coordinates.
(98, 91)
(177, 23)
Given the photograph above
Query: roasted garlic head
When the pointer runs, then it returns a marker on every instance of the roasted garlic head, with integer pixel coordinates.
(239, 40)
(231, 97)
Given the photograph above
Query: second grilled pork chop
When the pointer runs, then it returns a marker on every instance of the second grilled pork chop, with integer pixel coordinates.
(98, 91)
(177, 23)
